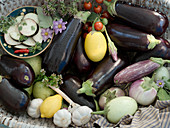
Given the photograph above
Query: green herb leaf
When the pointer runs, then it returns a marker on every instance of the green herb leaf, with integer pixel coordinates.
(22, 38)
(92, 17)
(38, 46)
(163, 95)
(45, 21)
(32, 28)
(20, 28)
(24, 23)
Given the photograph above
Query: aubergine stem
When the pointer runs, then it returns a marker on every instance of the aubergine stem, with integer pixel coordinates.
(111, 7)
(112, 47)
(159, 60)
(152, 41)
(63, 95)
(82, 15)
(87, 88)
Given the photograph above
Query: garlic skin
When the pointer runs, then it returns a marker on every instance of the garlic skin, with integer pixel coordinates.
(33, 109)
(81, 115)
(62, 118)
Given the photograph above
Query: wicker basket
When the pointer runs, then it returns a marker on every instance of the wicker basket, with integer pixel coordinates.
(24, 121)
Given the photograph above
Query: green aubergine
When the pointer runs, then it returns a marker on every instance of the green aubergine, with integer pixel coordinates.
(14, 99)
(59, 54)
(19, 71)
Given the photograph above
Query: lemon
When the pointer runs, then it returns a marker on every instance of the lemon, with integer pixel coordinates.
(95, 46)
(50, 106)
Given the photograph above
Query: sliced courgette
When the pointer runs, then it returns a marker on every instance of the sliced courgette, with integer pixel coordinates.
(14, 33)
(28, 27)
(32, 16)
(19, 19)
(29, 42)
(9, 40)
(21, 46)
(38, 37)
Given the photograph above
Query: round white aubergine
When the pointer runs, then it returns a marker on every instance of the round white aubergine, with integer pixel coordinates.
(120, 107)
(160, 73)
(102, 99)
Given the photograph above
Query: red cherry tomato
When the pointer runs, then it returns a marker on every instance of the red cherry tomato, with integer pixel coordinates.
(86, 26)
(90, 29)
(99, 1)
(97, 9)
(84, 35)
(87, 5)
(109, 0)
(98, 25)
(106, 14)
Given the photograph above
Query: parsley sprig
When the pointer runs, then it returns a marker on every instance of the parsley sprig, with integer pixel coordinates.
(38, 46)
(5, 23)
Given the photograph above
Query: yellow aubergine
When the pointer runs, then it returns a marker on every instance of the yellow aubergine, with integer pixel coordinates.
(50, 106)
(95, 46)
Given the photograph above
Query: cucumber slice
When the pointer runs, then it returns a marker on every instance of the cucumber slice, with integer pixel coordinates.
(8, 38)
(32, 16)
(20, 46)
(38, 37)
(28, 27)
(29, 42)
(14, 33)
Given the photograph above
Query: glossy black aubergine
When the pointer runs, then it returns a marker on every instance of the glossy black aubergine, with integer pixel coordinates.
(60, 53)
(19, 71)
(14, 99)
(162, 50)
(102, 76)
(147, 20)
(70, 86)
(138, 70)
(81, 61)
(131, 39)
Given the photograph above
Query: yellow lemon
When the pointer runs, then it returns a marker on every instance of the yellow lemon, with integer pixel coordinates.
(50, 106)
(95, 46)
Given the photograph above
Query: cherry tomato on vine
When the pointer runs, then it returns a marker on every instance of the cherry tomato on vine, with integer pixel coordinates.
(99, 1)
(98, 26)
(90, 29)
(86, 26)
(84, 35)
(109, 0)
(106, 14)
(87, 5)
(98, 9)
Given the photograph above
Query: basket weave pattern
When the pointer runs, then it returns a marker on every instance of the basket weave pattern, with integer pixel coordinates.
(24, 121)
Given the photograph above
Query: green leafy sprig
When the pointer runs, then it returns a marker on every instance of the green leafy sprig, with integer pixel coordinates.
(38, 46)
(52, 80)
(5, 23)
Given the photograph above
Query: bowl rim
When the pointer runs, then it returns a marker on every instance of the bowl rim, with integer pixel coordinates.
(24, 57)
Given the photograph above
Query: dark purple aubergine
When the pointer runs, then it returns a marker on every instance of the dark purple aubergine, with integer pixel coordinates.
(81, 61)
(147, 20)
(138, 70)
(19, 71)
(15, 100)
(70, 86)
(102, 76)
(162, 50)
(131, 39)
(59, 55)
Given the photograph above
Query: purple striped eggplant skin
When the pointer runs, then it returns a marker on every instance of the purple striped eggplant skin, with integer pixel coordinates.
(131, 39)
(147, 20)
(135, 71)
(162, 50)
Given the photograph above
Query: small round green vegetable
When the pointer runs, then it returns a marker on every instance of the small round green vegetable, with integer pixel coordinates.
(160, 73)
(40, 90)
(118, 108)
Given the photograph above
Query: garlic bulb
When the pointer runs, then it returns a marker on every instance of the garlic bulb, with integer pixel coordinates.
(62, 118)
(81, 115)
(33, 109)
